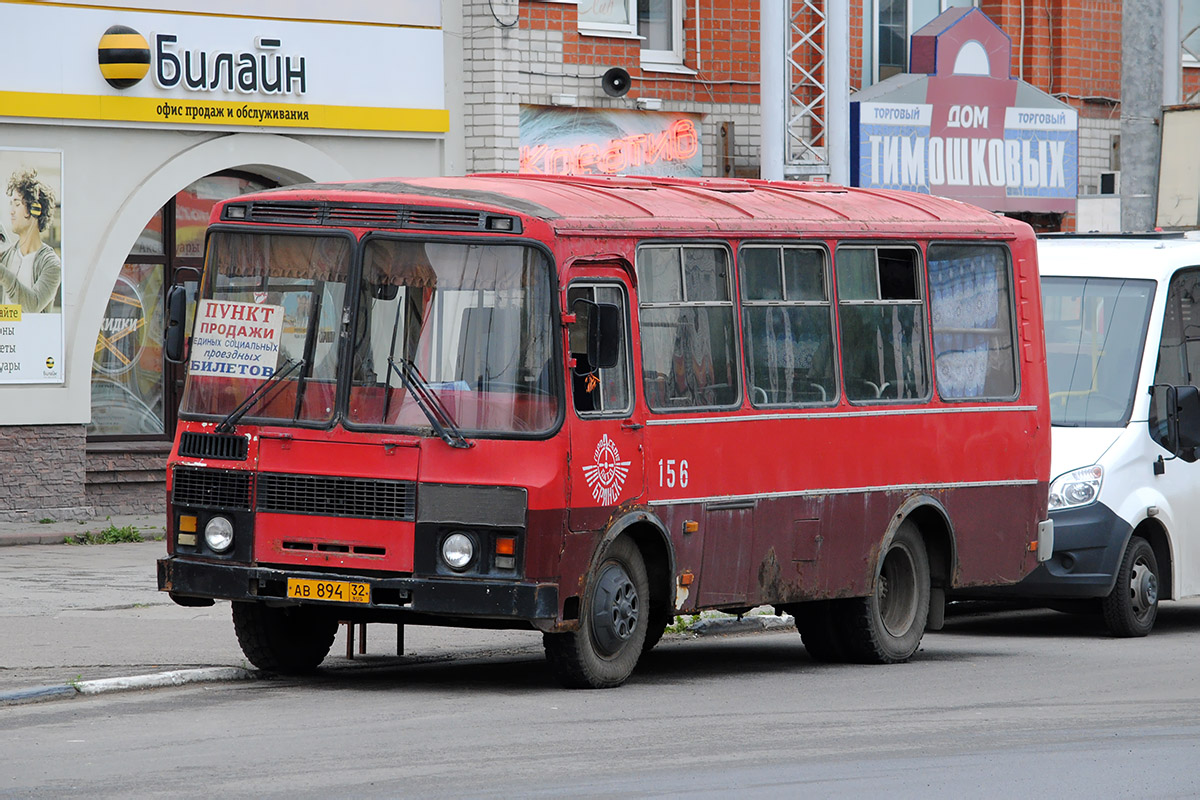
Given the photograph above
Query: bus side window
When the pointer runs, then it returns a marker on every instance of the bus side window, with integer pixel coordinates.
(883, 328)
(606, 391)
(788, 324)
(970, 298)
(688, 335)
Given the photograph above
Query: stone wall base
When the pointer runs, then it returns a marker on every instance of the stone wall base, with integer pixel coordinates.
(127, 477)
(43, 473)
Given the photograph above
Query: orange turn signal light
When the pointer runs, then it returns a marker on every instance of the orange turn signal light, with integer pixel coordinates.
(506, 546)
(187, 522)
(686, 578)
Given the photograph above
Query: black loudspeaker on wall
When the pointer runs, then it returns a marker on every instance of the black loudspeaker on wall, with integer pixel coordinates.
(616, 82)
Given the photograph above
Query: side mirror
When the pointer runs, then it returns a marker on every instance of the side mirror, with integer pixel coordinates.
(595, 338)
(1187, 422)
(173, 334)
(1175, 419)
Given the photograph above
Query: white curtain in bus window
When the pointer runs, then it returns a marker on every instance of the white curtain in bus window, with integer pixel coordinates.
(788, 326)
(970, 300)
(686, 316)
(879, 300)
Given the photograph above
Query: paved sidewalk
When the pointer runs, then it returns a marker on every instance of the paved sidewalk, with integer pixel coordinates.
(150, 526)
(86, 619)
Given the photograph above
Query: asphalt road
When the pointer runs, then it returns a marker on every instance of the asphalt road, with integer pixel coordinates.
(1018, 703)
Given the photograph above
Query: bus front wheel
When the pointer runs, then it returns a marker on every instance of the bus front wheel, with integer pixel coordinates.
(886, 626)
(612, 629)
(292, 640)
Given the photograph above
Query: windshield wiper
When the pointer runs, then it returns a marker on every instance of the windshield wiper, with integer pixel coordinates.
(231, 419)
(429, 403)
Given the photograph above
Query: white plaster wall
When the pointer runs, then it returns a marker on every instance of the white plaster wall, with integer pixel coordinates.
(115, 179)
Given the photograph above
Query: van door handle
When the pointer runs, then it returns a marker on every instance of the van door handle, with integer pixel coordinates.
(628, 425)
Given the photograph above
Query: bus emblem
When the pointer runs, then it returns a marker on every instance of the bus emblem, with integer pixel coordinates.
(607, 475)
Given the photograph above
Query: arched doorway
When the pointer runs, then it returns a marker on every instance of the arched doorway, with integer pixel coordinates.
(135, 393)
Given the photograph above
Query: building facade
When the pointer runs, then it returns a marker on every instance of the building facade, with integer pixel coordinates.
(126, 125)
(119, 128)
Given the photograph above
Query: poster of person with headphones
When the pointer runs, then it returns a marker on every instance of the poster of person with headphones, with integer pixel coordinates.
(31, 319)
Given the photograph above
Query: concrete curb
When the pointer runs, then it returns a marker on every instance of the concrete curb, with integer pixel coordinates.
(716, 626)
(156, 680)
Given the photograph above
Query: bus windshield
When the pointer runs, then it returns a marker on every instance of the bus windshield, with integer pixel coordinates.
(469, 325)
(1095, 329)
(270, 306)
(472, 321)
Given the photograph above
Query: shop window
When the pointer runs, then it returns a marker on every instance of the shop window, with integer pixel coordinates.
(134, 391)
(658, 23)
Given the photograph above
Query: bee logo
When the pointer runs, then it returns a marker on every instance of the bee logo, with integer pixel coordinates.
(50, 362)
(124, 56)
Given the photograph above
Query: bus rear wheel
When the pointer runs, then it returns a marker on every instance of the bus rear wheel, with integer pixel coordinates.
(291, 640)
(612, 630)
(1132, 606)
(886, 626)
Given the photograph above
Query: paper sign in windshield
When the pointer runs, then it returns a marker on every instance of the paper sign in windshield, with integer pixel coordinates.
(240, 340)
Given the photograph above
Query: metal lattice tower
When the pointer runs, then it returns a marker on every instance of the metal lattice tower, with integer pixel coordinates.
(806, 150)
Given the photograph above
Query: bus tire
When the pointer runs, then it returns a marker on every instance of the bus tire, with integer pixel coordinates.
(291, 640)
(818, 625)
(615, 618)
(1132, 606)
(886, 626)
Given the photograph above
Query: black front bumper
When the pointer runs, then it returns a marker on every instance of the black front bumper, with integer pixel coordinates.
(1088, 545)
(188, 578)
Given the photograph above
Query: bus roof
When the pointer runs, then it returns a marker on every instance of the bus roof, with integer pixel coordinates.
(1132, 256)
(643, 204)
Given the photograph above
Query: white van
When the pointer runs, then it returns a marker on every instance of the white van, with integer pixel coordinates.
(1122, 318)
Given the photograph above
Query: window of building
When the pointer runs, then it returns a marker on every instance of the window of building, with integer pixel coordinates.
(689, 342)
(886, 42)
(1189, 24)
(788, 324)
(883, 324)
(658, 23)
(970, 300)
(134, 390)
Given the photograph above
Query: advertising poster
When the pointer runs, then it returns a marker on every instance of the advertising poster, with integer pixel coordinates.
(31, 268)
(593, 141)
(240, 340)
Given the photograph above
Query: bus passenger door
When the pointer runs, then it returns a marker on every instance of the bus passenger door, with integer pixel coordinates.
(606, 467)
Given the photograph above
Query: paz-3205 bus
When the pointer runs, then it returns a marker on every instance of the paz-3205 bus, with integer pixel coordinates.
(587, 405)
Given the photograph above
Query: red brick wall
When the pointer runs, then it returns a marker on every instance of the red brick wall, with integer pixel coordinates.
(728, 57)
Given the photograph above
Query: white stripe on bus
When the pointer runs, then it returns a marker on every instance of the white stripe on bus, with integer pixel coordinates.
(850, 490)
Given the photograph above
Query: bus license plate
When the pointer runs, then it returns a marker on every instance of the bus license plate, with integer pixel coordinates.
(332, 591)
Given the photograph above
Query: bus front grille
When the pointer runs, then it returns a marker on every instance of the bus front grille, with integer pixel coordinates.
(330, 496)
(226, 446)
(211, 488)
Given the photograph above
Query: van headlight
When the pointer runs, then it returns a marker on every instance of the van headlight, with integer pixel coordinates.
(218, 534)
(1077, 488)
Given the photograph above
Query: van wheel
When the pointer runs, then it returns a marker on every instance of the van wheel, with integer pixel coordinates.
(612, 629)
(886, 627)
(291, 640)
(1132, 605)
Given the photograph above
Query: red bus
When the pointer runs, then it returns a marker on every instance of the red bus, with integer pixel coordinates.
(588, 405)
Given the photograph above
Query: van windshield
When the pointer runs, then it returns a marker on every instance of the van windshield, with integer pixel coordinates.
(1095, 332)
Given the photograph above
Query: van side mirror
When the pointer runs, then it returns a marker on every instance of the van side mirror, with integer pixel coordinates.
(595, 337)
(173, 334)
(1175, 419)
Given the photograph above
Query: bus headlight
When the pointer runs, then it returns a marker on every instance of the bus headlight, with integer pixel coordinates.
(218, 534)
(458, 551)
(1077, 488)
